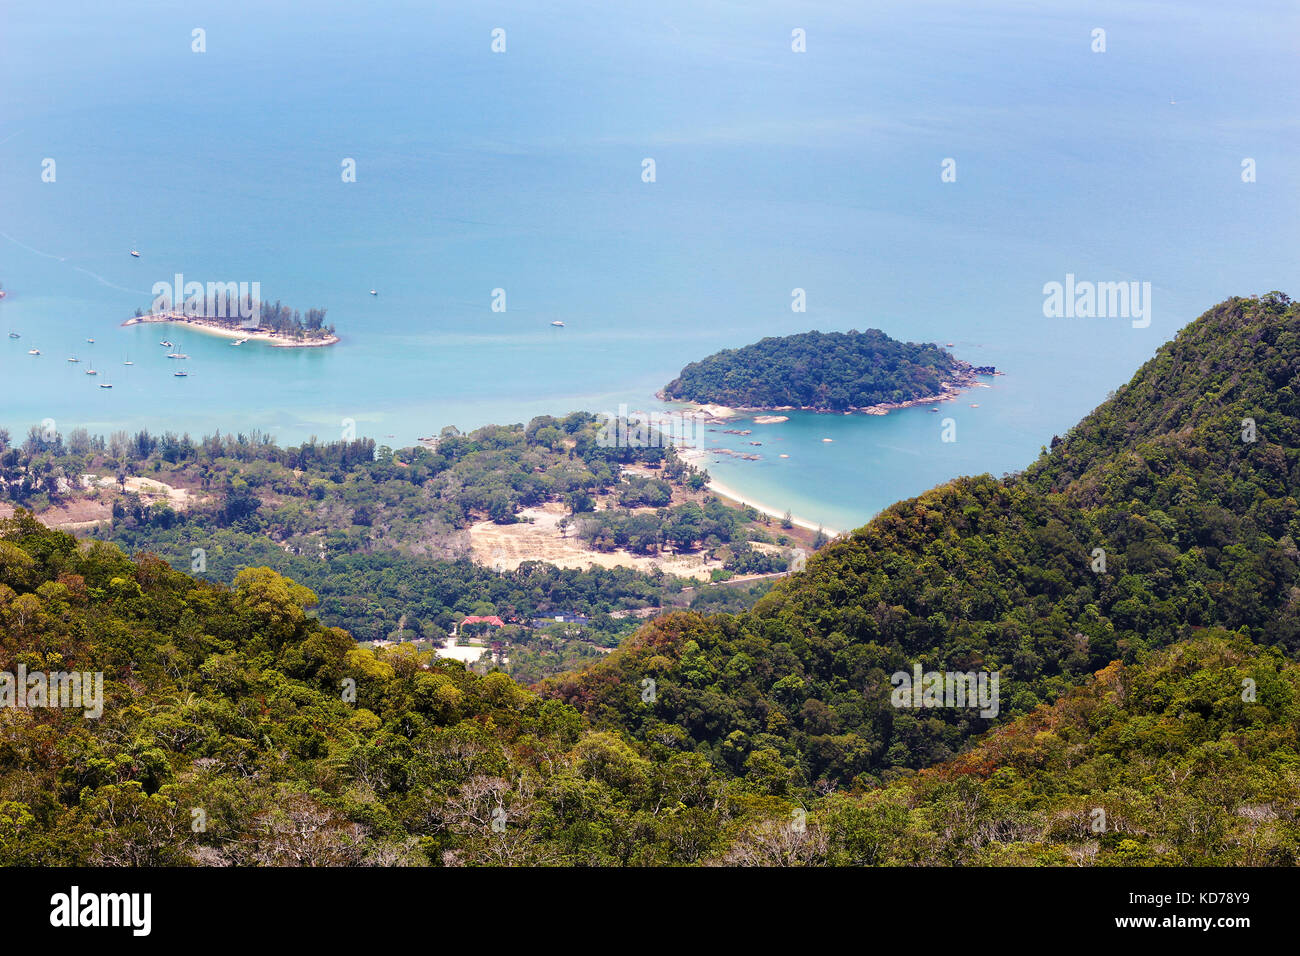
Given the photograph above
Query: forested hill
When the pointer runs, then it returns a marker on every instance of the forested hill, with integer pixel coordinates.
(1196, 526)
(819, 370)
(237, 729)
(1153, 764)
(1237, 361)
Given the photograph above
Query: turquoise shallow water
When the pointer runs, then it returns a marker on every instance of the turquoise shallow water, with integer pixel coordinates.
(522, 171)
(894, 456)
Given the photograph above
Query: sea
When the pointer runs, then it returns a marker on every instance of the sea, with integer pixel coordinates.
(665, 179)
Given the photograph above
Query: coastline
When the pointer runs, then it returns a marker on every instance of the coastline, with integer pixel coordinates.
(275, 339)
(730, 494)
(697, 457)
(966, 377)
(716, 414)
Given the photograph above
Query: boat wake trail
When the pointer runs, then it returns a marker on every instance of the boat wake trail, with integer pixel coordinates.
(94, 275)
(30, 249)
(112, 285)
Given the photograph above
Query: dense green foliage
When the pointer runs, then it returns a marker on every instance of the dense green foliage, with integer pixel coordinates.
(1153, 764)
(375, 495)
(238, 730)
(369, 594)
(683, 528)
(380, 535)
(234, 703)
(819, 370)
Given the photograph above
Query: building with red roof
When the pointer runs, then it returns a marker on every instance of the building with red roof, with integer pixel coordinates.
(475, 619)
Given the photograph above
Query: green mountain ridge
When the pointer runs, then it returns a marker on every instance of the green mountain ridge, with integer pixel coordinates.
(1197, 525)
(1153, 764)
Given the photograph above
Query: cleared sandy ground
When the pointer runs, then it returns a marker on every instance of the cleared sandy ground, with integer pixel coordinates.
(507, 546)
(74, 516)
(87, 512)
(150, 490)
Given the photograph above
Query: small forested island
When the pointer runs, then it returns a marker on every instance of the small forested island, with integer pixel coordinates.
(275, 323)
(825, 371)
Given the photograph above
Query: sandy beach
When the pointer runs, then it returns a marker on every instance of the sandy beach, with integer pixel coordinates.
(224, 331)
(699, 458)
(723, 491)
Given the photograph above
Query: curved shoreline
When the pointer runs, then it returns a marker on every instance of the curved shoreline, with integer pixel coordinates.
(729, 493)
(698, 457)
(274, 339)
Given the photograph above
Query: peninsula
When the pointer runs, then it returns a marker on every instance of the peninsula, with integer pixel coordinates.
(846, 372)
